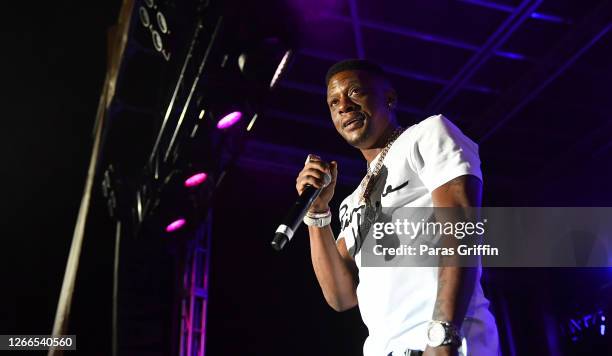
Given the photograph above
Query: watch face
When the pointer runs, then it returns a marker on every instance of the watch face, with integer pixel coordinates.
(436, 334)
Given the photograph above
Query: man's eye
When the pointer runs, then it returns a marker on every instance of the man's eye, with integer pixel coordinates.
(355, 91)
(333, 103)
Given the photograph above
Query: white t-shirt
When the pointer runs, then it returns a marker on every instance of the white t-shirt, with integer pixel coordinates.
(396, 303)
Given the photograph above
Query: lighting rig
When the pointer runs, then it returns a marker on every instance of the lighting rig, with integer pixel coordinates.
(191, 88)
(192, 84)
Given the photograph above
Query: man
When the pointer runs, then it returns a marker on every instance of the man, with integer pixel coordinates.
(408, 310)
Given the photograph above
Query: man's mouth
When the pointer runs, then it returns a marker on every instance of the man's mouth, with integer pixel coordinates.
(355, 120)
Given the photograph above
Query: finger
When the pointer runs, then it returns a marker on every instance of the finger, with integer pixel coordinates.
(313, 172)
(300, 187)
(320, 165)
(334, 171)
(314, 181)
(312, 158)
(317, 171)
(323, 178)
(327, 178)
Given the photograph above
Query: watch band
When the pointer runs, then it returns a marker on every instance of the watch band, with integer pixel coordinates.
(450, 336)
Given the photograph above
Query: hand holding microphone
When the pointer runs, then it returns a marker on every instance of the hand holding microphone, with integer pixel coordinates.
(315, 185)
(321, 175)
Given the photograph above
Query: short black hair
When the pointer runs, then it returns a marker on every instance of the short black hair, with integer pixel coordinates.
(355, 64)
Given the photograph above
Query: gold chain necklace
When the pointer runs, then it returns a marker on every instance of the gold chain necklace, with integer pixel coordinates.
(368, 182)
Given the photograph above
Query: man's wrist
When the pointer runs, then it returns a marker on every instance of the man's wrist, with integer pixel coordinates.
(446, 350)
(318, 209)
(443, 333)
(318, 219)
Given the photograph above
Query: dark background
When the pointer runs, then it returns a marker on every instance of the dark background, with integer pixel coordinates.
(54, 62)
(556, 151)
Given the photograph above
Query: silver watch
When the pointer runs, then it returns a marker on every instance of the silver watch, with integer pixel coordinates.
(440, 333)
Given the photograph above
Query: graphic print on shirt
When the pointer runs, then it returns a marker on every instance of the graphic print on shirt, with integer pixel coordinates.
(357, 221)
(390, 188)
(350, 223)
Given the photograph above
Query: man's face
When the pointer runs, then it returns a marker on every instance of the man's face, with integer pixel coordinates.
(359, 103)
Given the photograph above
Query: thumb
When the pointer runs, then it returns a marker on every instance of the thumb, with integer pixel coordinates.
(334, 170)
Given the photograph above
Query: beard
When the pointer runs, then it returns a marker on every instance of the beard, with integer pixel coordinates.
(361, 137)
(370, 135)
(358, 138)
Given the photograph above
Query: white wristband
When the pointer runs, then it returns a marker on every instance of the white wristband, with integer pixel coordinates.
(324, 214)
(320, 220)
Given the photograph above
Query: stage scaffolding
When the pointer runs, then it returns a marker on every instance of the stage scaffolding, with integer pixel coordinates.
(195, 291)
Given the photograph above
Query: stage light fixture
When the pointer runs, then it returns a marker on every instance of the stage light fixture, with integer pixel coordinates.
(176, 225)
(161, 22)
(229, 120)
(144, 16)
(252, 122)
(195, 180)
(265, 62)
(157, 41)
(157, 24)
(280, 70)
(242, 61)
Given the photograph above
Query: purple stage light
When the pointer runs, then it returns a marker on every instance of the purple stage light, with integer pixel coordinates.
(175, 225)
(229, 120)
(196, 179)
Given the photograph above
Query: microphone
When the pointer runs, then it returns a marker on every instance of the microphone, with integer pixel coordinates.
(296, 214)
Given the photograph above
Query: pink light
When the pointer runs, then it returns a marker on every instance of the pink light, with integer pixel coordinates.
(175, 225)
(196, 179)
(229, 119)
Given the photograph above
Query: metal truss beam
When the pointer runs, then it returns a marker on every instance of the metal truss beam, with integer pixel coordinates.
(320, 90)
(357, 29)
(545, 17)
(279, 159)
(194, 297)
(562, 56)
(404, 73)
(498, 38)
(427, 37)
(321, 122)
(286, 160)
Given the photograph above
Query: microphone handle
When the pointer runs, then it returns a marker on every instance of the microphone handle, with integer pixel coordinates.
(294, 217)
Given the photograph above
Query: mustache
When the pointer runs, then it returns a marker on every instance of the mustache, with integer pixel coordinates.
(356, 115)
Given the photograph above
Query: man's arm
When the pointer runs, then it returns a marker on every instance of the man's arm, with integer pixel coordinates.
(335, 269)
(455, 284)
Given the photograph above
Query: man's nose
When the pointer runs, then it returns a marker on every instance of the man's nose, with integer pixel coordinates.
(347, 105)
